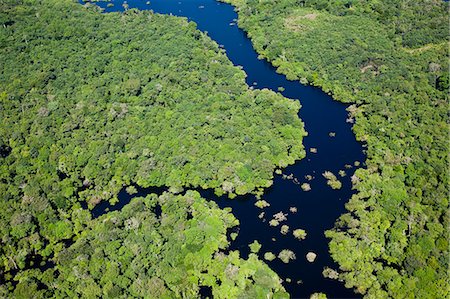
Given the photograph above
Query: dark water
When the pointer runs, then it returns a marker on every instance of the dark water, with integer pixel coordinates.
(4, 151)
(124, 198)
(319, 208)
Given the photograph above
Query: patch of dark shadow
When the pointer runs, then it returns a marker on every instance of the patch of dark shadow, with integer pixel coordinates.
(68, 242)
(157, 210)
(10, 273)
(124, 199)
(205, 292)
(45, 265)
(41, 286)
(5, 151)
(31, 262)
(8, 23)
(61, 175)
(84, 205)
(189, 215)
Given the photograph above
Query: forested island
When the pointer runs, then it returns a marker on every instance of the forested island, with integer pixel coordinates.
(92, 103)
(390, 60)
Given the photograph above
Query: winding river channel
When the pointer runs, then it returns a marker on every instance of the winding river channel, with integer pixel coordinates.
(317, 209)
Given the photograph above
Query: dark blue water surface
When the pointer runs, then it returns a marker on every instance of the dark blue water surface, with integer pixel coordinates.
(319, 208)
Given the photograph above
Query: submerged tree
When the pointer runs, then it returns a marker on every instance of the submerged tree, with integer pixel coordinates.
(332, 180)
(286, 255)
(299, 234)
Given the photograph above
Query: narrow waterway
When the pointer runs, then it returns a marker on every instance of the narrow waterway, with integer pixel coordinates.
(317, 209)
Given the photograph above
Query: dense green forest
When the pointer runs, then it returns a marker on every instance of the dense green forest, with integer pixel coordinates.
(155, 247)
(91, 103)
(138, 253)
(390, 59)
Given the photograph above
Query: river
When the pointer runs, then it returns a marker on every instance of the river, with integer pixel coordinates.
(318, 208)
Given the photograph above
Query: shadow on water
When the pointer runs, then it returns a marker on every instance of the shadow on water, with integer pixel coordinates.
(318, 208)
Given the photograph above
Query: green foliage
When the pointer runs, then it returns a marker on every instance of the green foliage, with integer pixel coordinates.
(286, 255)
(299, 234)
(306, 187)
(332, 180)
(255, 246)
(269, 256)
(131, 190)
(92, 102)
(262, 204)
(284, 229)
(135, 253)
(389, 58)
(274, 222)
(318, 296)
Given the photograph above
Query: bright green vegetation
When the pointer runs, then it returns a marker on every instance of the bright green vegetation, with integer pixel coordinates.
(286, 255)
(305, 187)
(269, 256)
(318, 296)
(299, 234)
(255, 246)
(262, 204)
(189, 121)
(332, 180)
(390, 59)
(284, 229)
(136, 253)
(91, 103)
(330, 273)
(273, 222)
